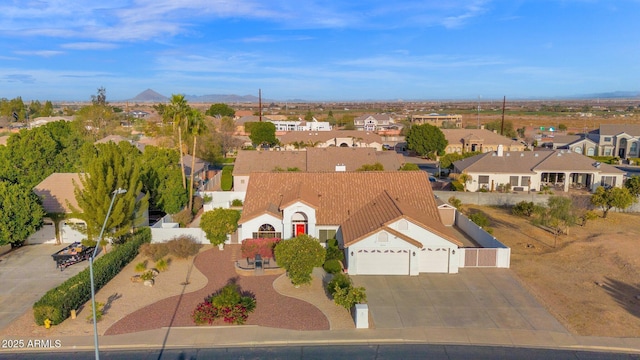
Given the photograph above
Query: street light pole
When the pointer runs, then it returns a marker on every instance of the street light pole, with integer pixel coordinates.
(91, 259)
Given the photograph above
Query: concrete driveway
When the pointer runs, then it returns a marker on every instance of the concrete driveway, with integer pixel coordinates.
(474, 298)
(26, 274)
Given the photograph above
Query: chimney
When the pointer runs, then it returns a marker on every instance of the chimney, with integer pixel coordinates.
(500, 150)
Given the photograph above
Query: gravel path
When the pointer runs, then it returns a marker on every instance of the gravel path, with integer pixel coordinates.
(272, 310)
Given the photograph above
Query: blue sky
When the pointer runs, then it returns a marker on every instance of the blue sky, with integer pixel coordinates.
(319, 50)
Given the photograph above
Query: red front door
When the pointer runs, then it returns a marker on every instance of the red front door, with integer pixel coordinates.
(299, 229)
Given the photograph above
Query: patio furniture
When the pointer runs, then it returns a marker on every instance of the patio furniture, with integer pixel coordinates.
(258, 261)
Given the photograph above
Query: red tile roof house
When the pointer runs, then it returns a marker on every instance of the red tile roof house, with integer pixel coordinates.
(387, 222)
(310, 160)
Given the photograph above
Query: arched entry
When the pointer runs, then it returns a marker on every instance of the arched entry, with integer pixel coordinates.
(299, 223)
(622, 150)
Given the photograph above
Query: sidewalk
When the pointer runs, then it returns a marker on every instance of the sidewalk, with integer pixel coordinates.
(192, 337)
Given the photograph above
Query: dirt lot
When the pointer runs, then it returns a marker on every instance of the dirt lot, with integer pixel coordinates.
(589, 280)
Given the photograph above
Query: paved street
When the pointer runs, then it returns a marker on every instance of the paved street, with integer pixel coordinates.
(27, 273)
(472, 299)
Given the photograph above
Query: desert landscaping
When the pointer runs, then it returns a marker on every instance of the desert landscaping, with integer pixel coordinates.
(589, 280)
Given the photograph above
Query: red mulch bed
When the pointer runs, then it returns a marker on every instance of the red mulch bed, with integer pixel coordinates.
(272, 310)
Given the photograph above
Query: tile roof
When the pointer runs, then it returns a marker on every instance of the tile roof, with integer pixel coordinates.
(339, 196)
(383, 210)
(521, 162)
(314, 159)
(455, 136)
(615, 129)
(57, 192)
(324, 136)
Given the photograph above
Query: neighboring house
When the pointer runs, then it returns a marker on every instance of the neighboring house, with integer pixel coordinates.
(139, 114)
(116, 139)
(43, 120)
(201, 169)
(301, 125)
(338, 138)
(580, 145)
(535, 170)
(329, 159)
(57, 195)
(374, 122)
(619, 140)
(437, 120)
(388, 223)
(469, 140)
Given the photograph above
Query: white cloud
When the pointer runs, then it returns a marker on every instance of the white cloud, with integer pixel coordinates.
(89, 46)
(41, 53)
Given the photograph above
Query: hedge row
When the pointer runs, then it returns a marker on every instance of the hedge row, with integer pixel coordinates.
(57, 303)
(226, 180)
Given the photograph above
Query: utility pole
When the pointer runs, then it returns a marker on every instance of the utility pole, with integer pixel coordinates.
(504, 102)
(478, 117)
(260, 103)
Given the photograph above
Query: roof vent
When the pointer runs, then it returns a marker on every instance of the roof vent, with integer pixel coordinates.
(536, 155)
(508, 154)
(521, 154)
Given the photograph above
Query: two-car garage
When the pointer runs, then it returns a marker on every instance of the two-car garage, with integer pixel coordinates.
(398, 261)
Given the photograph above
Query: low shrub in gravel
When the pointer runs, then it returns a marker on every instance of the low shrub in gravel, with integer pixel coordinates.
(154, 251)
(228, 304)
(183, 246)
(332, 266)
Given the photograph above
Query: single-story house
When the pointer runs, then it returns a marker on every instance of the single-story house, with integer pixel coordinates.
(337, 138)
(481, 140)
(388, 223)
(560, 170)
(57, 195)
(327, 159)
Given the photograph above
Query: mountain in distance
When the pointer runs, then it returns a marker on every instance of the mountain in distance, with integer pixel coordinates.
(617, 95)
(149, 96)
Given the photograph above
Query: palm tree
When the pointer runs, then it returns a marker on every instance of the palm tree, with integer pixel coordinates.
(464, 179)
(196, 127)
(177, 111)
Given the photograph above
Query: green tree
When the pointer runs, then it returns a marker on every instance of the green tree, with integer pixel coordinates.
(447, 160)
(308, 116)
(562, 127)
(47, 110)
(177, 112)
(426, 140)
(20, 213)
(161, 177)
(465, 178)
(633, 185)
(496, 126)
(221, 110)
(32, 155)
(409, 167)
(98, 119)
(299, 256)
(114, 166)
(196, 127)
(262, 133)
(560, 212)
(371, 167)
(616, 197)
(218, 223)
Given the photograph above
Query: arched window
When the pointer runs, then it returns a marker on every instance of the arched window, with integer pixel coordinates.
(577, 149)
(267, 231)
(383, 237)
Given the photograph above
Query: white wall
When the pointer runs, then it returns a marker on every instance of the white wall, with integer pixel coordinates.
(289, 211)
(245, 230)
(160, 235)
(221, 199)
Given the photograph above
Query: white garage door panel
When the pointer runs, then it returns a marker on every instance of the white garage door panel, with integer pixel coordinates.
(434, 260)
(46, 235)
(383, 262)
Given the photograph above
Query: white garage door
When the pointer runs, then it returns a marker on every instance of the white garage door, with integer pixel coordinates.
(383, 262)
(46, 234)
(434, 260)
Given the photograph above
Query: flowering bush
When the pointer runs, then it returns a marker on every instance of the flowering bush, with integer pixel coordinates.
(262, 246)
(227, 304)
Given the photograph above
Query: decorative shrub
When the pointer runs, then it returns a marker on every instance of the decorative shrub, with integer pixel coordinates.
(334, 253)
(141, 266)
(162, 265)
(523, 208)
(57, 303)
(344, 293)
(99, 312)
(262, 246)
(339, 281)
(457, 186)
(226, 179)
(183, 246)
(228, 304)
(236, 202)
(198, 202)
(154, 251)
(299, 256)
(333, 242)
(184, 217)
(332, 266)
